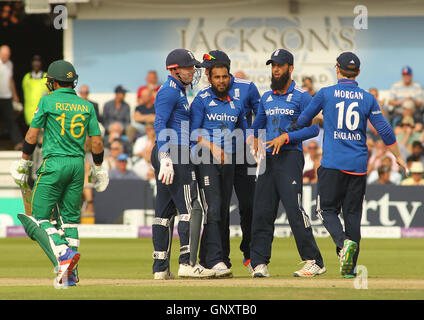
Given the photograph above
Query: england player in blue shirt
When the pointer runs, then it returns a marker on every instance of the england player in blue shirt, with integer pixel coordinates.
(175, 176)
(282, 179)
(342, 175)
(217, 123)
(247, 94)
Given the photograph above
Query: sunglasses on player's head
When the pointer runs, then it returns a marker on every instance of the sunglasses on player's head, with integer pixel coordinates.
(207, 56)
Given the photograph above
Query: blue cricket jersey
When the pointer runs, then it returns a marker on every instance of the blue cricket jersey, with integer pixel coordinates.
(278, 112)
(247, 93)
(346, 110)
(216, 119)
(172, 115)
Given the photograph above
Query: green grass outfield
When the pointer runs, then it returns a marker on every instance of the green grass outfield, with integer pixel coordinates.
(121, 269)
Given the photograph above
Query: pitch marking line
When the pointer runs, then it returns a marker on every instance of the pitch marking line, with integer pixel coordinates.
(403, 284)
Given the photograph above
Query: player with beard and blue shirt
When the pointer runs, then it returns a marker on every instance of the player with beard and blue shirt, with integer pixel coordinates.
(282, 179)
(215, 118)
(247, 94)
(342, 175)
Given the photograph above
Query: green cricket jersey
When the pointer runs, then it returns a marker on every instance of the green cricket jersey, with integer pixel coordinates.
(66, 119)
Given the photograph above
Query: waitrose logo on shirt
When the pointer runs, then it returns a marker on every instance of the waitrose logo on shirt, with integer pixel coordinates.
(221, 117)
(279, 111)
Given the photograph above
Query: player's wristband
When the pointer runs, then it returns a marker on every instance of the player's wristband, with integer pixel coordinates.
(288, 137)
(28, 148)
(98, 157)
(164, 155)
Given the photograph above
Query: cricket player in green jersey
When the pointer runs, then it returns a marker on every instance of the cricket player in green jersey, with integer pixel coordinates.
(66, 120)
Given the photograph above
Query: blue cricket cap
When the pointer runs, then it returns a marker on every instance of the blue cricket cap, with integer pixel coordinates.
(348, 61)
(213, 57)
(406, 70)
(180, 58)
(123, 157)
(281, 56)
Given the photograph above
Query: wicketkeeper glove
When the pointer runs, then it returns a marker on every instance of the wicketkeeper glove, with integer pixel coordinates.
(166, 172)
(101, 178)
(20, 171)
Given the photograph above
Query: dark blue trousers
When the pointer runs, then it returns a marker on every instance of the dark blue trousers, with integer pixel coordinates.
(341, 192)
(281, 181)
(216, 186)
(244, 187)
(173, 199)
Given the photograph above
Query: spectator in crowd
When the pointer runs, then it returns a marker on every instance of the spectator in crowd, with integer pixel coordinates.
(145, 112)
(83, 92)
(240, 74)
(151, 85)
(308, 85)
(417, 152)
(408, 110)
(383, 175)
(381, 103)
(394, 176)
(33, 87)
(416, 178)
(117, 109)
(121, 171)
(312, 162)
(8, 94)
(116, 132)
(116, 148)
(379, 152)
(371, 132)
(406, 133)
(371, 148)
(405, 89)
(142, 151)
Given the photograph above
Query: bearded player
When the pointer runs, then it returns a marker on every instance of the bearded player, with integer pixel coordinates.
(282, 179)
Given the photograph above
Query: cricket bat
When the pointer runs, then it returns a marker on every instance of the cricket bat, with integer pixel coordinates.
(26, 198)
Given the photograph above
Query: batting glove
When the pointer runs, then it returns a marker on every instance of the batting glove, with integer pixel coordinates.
(101, 178)
(166, 172)
(20, 171)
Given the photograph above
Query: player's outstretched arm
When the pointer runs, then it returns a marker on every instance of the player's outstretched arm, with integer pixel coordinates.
(395, 150)
(303, 134)
(386, 133)
(310, 111)
(293, 137)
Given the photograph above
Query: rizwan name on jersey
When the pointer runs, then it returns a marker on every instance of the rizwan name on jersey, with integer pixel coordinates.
(71, 107)
(346, 136)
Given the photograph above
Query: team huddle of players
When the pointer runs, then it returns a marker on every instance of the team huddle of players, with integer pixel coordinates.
(229, 136)
(197, 163)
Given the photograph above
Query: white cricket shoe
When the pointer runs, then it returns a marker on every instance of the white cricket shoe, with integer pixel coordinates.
(248, 265)
(260, 271)
(222, 271)
(310, 269)
(187, 271)
(164, 275)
